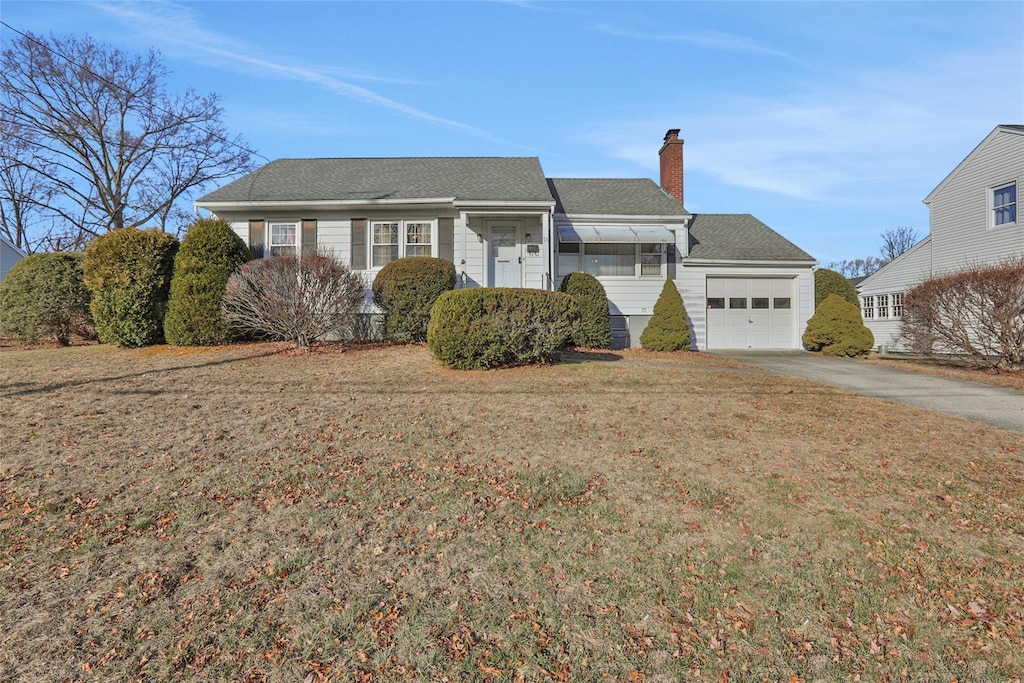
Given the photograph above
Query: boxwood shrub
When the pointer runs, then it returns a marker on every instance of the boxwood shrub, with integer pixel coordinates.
(128, 273)
(406, 289)
(209, 254)
(837, 329)
(667, 329)
(830, 282)
(595, 329)
(475, 329)
(44, 295)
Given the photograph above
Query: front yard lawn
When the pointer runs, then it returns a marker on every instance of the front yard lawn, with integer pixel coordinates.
(250, 513)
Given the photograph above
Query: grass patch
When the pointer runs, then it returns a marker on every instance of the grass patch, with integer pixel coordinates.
(247, 513)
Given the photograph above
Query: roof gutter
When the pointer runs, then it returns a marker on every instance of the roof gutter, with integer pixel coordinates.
(691, 261)
(321, 203)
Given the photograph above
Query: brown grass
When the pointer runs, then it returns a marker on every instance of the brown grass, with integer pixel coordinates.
(247, 513)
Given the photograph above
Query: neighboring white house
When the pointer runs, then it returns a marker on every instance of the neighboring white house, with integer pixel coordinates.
(9, 255)
(504, 224)
(973, 219)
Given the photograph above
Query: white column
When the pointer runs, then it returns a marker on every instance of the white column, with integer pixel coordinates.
(462, 263)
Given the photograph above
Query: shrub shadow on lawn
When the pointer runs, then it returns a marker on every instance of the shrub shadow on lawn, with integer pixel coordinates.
(588, 356)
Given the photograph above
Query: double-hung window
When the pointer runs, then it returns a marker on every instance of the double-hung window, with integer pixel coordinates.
(1004, 205)
(897, 305)
(868, 307)
(282, 238)
(395, 239)
(882, 305)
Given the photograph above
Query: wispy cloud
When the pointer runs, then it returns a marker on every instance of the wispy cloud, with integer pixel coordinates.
(862, 137)
(715, 40)
(169, 24)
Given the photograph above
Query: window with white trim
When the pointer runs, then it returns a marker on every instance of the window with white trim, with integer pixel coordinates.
(283, 238)
(1004, 205)
(613, 259)
(868, 307)
(882, 305)
(897, 305)
(394, 239)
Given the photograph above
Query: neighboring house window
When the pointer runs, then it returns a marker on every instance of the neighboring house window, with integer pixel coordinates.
(612, 259)
(392, 240)
(1004, 205)
(897, 305)
(882, 306)
(282, 238)
(869, 307)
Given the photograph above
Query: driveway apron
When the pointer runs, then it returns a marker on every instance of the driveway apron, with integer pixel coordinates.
(979, 402)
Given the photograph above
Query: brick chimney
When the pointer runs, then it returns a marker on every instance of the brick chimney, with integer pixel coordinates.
(671, 155)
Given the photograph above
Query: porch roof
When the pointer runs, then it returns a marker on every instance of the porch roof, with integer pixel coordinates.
(615, 233)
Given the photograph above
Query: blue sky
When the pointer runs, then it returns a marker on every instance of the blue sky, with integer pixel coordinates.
(828, 121)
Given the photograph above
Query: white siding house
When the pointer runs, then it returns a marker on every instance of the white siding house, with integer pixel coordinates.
(973, 219)
(503, 224)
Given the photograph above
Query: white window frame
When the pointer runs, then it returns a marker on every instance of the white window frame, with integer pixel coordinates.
(405, 247)
(640, 249)
(868, 307)
(296, 227)
(882, 306)
(993, 209)
(897, 305)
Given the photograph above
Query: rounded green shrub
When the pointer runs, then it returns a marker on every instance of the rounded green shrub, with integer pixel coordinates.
(830, 282)
(128, 273)
(837, 329)
(667, 329)
(477, 329)
(595, 330)
(406, 289)
(44, 295)
(209, 254)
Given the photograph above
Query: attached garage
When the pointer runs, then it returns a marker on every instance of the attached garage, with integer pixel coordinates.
(751, 313)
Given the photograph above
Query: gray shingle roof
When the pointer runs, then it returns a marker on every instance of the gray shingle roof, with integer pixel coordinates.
(739, 236)
(617, 196)
(466, 178)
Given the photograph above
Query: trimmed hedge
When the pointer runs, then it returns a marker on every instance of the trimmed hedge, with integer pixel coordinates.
(667, 329)
(595, 330)
(406, 289)
(477, 329)
(837, 329)
(209, 254)
(128, 273)
(44, 295)
(830, 282)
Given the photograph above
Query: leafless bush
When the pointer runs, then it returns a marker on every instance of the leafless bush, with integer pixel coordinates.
(291, 299)
(977, 312)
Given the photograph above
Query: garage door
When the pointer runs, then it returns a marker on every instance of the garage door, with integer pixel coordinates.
(751, 313)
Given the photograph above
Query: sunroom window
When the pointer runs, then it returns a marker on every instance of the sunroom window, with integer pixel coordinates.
(609, 259)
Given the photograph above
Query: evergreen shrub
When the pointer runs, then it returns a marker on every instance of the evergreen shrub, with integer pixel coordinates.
(406, 289)
(44, 295)
(830, 282)
(128, 273)
(667, 329)
(209, 254)
(595, 330)
(837, 329)
(477, 329)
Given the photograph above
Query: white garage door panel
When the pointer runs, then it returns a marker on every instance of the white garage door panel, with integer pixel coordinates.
(741, 326)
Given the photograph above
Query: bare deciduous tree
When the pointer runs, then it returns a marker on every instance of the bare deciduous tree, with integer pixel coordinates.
(859, 267)
(301, 301)
(977, 312)
(109, 145)
(897, 240)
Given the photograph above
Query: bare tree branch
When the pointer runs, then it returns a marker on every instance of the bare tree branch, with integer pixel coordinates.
(895, 241)
(103, 142)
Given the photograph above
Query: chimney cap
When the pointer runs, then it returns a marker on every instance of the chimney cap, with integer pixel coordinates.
(672, 134)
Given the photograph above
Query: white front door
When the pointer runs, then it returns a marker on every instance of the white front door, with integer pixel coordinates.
(505, 265)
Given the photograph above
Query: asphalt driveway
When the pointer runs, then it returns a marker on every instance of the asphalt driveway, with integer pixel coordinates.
(979, 402)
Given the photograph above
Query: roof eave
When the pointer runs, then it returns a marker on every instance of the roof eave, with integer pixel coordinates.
(319, 203)
(484, 203)
(680, 217)
(787, 263)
